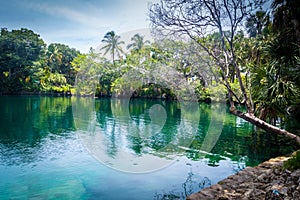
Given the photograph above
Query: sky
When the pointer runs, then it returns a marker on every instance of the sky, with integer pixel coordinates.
(81, 24)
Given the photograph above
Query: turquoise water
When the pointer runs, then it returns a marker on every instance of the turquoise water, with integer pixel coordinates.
(48, 148)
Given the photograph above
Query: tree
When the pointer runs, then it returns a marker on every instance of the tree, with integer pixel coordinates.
(286, 26)
(19, 49)
(55, 57)
(112, 45)
(95, 74)
(60, 57)
(27, 65)
(287, 19)
(196, 19)
(284, 51)
(88, 74)
(137, 42)
(271, 62)
(257, 23)
(52, 82)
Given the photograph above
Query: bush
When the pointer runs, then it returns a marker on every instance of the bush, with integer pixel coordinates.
(294, 162)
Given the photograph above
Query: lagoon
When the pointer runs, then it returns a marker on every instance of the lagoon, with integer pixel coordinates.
(86, 148)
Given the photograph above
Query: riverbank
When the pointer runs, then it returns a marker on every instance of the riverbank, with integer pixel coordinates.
(26, 93)
(269, 180)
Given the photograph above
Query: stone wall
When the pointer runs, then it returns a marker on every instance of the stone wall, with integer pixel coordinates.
(266, 181)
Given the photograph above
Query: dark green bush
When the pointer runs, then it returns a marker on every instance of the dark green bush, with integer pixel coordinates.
(294, 162)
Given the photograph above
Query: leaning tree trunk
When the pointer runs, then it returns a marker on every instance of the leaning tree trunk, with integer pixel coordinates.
(249, 116)
(264, 125)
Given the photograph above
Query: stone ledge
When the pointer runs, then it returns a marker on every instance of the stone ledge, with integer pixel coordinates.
(265, 181)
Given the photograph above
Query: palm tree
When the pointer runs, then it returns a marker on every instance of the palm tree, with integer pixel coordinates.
(112, 45)
(137, 42)
(286, 14)
(286, 25)
(55, 57)
(257, 23)
(274, 81)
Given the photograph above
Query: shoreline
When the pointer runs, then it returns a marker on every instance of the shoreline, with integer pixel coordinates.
(268, 180)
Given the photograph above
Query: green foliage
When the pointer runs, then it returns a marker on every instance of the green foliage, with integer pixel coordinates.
(258, 23)
(271, 61)
(269, 64)
(59, 58)
(19, 49)
(294, 162)
(52, 82)
(217, 92)
(154, 91)
(88, 74)
(286, 23)
(27, 65)
(274, 74)
(201, 92)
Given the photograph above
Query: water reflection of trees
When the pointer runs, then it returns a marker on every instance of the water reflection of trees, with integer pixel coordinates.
(238, 141)
(165, 132)
(26, 121)
(107, 122)
(118, 119)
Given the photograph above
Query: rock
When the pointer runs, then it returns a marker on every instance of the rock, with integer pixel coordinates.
(263, 178)
(295, 176)
(276, 171)
(223, 197)
(275, 182)
(247, 194)
(274, 195)
(296, 195)
(266, 181)
(276, 187)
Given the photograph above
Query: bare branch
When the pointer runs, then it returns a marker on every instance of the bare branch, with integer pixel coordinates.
(199, 18)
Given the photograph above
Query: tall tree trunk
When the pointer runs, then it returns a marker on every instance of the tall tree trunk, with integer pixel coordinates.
(113, 58)
(264, 125)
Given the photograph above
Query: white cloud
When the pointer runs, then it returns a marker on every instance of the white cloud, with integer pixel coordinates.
(83, 24)
(86, 17)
